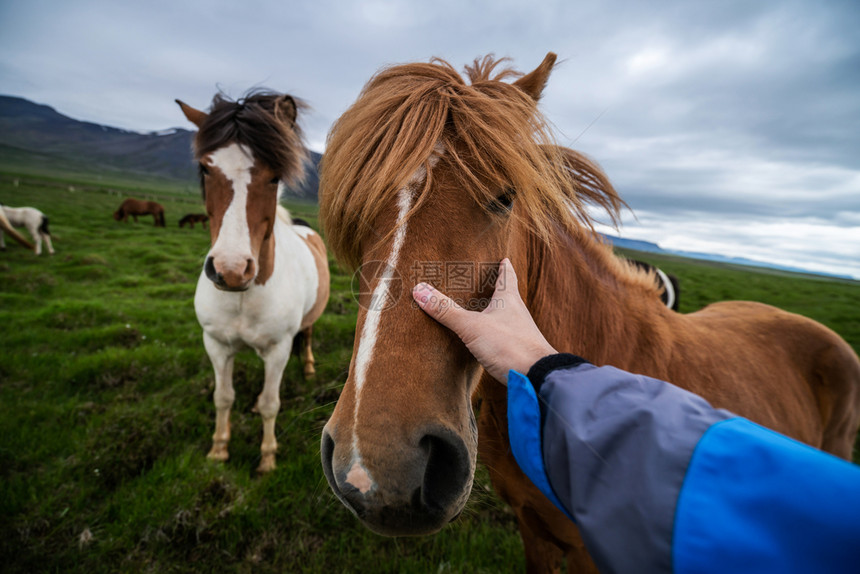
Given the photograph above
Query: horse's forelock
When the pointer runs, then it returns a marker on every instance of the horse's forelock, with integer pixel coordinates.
(254, 121)
(494, 138)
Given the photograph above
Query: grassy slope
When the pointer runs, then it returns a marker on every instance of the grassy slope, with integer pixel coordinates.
(106, 412)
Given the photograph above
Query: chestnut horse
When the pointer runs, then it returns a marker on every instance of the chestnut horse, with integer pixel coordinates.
(428, 177)
(135, 207)
(265, 280)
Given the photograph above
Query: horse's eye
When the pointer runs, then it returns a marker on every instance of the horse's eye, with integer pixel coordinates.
(275, 181)
(503, 203)
(204, 170)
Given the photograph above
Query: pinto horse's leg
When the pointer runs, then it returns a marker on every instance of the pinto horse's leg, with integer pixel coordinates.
(33, 228)
(47, 239)
(307, 353)
(222, 362)
(45, 234)
(269, 401)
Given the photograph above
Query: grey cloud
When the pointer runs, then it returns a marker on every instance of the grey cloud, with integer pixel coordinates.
(726, 110)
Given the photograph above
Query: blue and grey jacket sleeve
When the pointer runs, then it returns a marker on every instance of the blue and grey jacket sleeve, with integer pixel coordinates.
(659, 481)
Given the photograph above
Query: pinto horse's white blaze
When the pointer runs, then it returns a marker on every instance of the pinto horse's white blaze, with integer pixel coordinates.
(233, 245)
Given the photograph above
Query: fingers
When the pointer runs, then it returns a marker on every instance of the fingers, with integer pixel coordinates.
(439, 306)
(507, 288)
(447, 312)
(507, 278)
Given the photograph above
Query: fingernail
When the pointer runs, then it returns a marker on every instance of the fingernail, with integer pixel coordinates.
(421, 292)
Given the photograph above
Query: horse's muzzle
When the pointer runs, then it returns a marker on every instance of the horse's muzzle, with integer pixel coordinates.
(228, 280)
(416, 492)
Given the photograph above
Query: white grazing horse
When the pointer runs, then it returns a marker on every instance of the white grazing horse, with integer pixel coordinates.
(33, 220)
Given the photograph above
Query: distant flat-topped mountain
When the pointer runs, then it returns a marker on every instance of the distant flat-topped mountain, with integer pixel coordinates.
(649, 247)
(38, 132)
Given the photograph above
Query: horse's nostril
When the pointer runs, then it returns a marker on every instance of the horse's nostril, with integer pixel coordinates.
(211, 273)
(326, 454)
(447, 469)
(351, 498)
(249, 267)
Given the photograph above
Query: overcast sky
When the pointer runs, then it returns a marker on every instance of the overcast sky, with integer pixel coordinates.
(730, 127)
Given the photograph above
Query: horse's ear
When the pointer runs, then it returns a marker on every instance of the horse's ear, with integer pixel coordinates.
(194, 116)
(286, 107)
(534, 82)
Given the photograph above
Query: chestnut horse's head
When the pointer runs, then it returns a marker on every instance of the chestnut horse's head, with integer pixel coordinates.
(429, 178)
(245, 149)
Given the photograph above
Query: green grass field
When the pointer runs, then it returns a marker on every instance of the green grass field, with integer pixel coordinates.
(106, 411)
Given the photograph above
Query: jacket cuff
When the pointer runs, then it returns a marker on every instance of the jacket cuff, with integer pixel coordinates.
(538, 372)
(524, 433)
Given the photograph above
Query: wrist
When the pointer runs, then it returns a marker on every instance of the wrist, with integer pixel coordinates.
(521, 360)
(548, 363)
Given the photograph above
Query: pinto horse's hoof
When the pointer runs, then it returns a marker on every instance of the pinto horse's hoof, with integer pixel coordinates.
(218, 453)
(310, 372)
(267, 464)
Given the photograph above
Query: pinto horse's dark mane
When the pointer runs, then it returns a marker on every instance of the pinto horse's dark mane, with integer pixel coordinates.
(265, 122)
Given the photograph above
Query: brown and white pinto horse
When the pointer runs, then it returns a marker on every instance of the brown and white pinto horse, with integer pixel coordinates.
(135, 207)
(265, 281)
(426, 168)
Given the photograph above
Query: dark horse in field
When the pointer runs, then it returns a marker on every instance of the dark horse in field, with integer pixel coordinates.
(135, 207)
(192, 218)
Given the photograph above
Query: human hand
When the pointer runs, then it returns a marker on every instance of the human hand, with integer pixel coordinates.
(502, 337)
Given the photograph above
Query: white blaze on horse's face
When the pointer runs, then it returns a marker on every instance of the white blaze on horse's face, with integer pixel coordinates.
(233, 261)
(358, 476)
(400, 448)
(367, 341)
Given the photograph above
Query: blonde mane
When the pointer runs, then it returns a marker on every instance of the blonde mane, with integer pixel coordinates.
(493, 139)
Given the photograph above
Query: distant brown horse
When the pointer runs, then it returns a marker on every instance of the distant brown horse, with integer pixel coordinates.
(135, 207)
(429, 177)
(192, 218)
